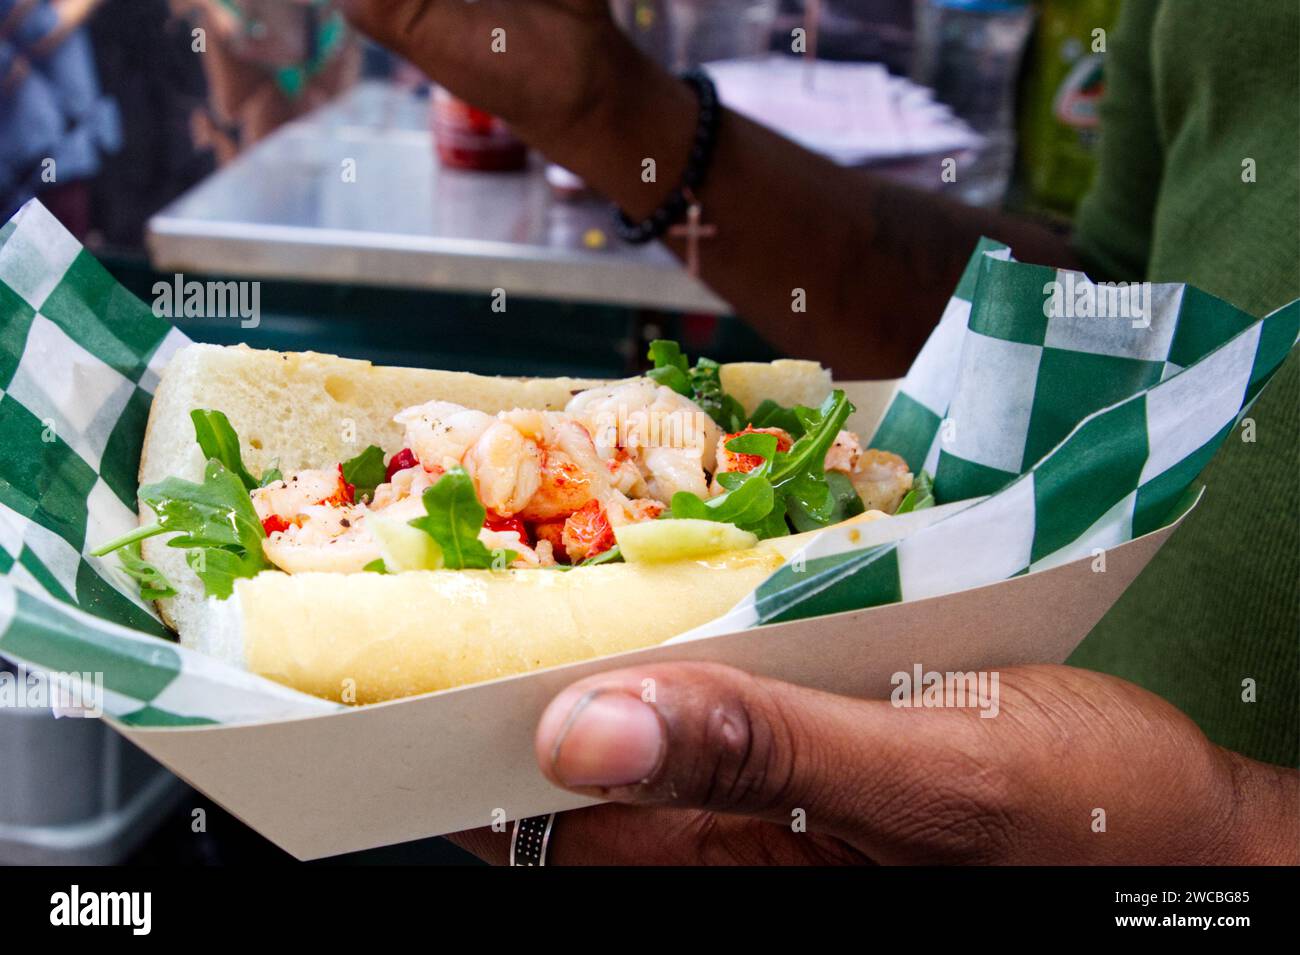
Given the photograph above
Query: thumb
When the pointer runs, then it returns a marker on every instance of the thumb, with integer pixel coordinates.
(713, 737)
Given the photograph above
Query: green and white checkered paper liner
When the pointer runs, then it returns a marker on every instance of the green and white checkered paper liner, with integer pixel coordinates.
(79, 360)
(1079, 436)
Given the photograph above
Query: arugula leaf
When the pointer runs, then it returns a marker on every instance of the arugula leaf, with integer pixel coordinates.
(919, 497)
(808, 453)
(702, 384)
(671, 367)
(454, 519)
(756, 442)
(759, 500)
(769, 414)
(126, 540)
(377, 566)
(666, 353)
(366, 471)
(610, 556)
(219, 568)
(749, 497)
(745, 505)
(217, 439)
(845, 503)
(706, 383)
(215, 521)
(153, 585)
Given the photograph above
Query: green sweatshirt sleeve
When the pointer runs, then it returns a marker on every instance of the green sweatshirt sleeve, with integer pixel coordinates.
(1114, 222)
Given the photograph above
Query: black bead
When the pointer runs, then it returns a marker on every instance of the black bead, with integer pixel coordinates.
(697, 164)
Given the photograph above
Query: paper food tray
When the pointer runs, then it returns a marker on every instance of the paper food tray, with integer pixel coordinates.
(1067, 446)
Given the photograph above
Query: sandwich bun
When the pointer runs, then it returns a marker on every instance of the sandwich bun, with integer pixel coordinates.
(370, 637)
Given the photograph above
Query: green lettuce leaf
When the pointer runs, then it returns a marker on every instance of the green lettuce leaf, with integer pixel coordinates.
(702, 384)
(786, 483)
(670, 366)
(920, 496)
(769, 414)
(366, 471)
(215, 521)
(153, 585)
(845, 503)
(453, 519)
(610, 556)
(706, 383)
(217, 439)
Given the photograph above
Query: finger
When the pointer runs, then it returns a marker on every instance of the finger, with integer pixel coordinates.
(601, 835)
(418, 29)
(635, 835)
(492, 846)
(712, 737)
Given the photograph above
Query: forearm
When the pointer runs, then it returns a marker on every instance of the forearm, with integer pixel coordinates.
(872, 263)
(876, 261)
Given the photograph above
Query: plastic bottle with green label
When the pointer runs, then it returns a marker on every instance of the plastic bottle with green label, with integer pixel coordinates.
(1062, 89)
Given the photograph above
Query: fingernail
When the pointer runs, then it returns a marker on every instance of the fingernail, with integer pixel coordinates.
(609, 739)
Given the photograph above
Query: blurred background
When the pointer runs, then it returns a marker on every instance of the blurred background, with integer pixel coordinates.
(262, 140)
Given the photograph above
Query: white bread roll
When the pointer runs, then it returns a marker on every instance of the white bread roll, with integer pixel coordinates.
(394, 635)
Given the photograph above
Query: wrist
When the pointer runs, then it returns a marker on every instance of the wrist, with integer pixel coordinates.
(636, 112)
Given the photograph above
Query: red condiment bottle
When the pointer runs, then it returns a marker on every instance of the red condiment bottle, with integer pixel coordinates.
(468, 138)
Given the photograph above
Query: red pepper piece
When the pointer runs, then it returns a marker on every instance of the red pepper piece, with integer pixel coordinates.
(494, 523)
(402, 460)
(274, 523)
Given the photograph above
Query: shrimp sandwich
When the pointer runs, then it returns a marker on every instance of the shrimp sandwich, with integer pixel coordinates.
(365, 533)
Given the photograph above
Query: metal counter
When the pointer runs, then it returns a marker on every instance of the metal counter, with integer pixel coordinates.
(283, 210)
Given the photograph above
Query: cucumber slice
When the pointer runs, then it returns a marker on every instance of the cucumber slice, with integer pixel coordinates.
(679, 539)
(402, 546)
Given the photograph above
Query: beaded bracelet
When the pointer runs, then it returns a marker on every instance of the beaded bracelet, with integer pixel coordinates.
(697, 165)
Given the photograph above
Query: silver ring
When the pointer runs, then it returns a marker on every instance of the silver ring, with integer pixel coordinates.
(530, 838)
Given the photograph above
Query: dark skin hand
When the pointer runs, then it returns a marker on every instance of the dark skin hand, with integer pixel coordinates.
(876, 260)
(715, 770)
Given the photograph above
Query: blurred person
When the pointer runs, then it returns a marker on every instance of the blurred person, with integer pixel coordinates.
(147, 64)
(55, 125)
(701, 774)
(267, 62)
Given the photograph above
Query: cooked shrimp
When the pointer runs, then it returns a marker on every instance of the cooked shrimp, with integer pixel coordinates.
(624, 475)
(669, 470)
(404, 493)
(624, 511)
(844, 453)
(882, 479)
(590, 531)
(440, 432)
(287, 499)
(587, 532)
(311, 547)
(526, 556)
(506, 468)
(668, 436)
(325, 536)
(572, 473)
